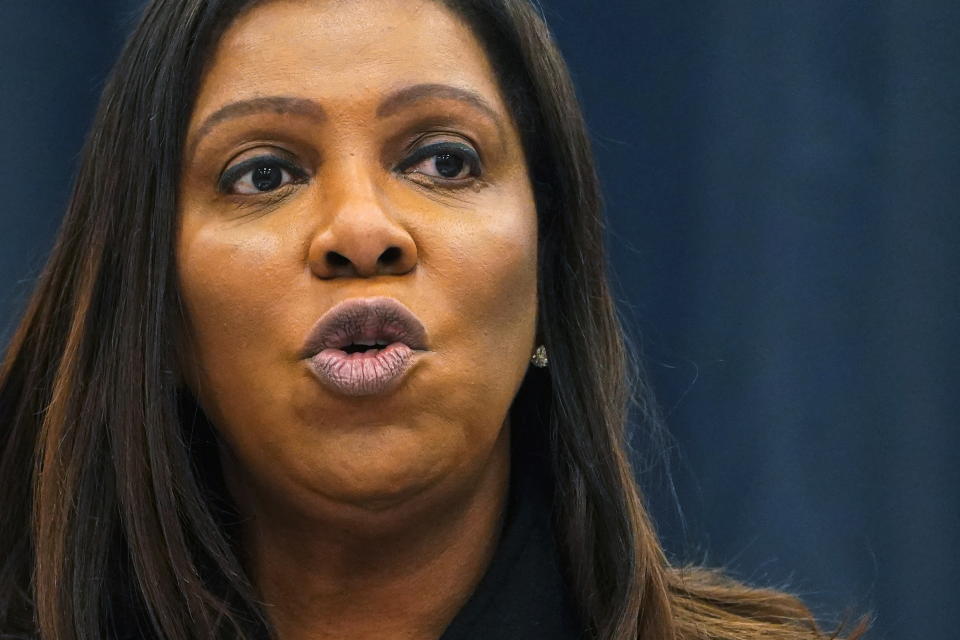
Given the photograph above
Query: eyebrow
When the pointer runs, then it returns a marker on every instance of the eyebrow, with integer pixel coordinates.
(415, 93)
(281, 105)
(393, 103)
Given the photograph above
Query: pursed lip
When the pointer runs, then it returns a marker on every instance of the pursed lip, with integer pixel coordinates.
(364, 319)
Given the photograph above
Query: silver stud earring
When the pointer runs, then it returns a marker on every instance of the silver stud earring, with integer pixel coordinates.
(539, 358)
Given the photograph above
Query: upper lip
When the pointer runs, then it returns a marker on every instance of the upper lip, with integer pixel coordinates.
(365, 319)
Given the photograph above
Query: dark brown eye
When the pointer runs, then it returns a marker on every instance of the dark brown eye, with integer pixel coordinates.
(444, 165)
(267, 178)
(444, 161)
(449, 165)
(260, 175)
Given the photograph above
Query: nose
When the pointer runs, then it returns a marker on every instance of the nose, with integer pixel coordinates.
(360, 238)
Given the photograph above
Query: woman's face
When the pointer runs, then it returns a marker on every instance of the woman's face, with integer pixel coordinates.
(355, 151)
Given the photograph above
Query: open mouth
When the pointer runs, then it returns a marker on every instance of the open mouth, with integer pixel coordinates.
(363, 347)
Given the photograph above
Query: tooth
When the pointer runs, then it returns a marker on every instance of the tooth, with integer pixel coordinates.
(366, 343)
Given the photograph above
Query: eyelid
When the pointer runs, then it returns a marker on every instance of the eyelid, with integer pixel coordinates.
(234, 172)
(422, 153)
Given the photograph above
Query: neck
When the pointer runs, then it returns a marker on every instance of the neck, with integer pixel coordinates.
(324, 581)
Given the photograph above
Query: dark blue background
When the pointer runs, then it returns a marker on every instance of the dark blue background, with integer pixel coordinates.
(782, 187)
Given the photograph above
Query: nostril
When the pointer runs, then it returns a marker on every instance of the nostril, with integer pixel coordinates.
(337, 260)
(391, 255)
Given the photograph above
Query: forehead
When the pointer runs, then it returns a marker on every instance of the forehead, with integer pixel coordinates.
(343, 53)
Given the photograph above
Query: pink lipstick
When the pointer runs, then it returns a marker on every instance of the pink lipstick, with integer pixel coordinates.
(364, 346)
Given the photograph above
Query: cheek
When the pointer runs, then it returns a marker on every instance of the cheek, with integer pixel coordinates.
(486, 258)
(233, 284)
(488, 272)
(500, 299)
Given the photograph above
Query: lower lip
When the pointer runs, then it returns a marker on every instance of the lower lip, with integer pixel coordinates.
(363, 373)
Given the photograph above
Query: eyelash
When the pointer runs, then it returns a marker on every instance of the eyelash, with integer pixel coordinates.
(466, 153)
(233, 174)
(227, 182)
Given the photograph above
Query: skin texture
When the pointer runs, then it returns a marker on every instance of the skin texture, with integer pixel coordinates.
(374, 516)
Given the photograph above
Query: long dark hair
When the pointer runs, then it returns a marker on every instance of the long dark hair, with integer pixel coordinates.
(114, 518)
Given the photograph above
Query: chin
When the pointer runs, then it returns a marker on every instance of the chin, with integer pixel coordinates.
(377, 472)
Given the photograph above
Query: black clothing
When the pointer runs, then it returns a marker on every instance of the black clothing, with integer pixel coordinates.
(522, 596)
